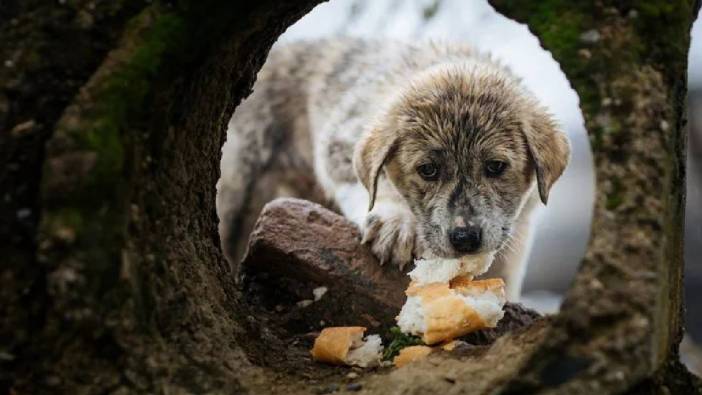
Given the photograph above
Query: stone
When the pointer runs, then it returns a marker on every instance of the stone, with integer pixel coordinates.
(298, 246)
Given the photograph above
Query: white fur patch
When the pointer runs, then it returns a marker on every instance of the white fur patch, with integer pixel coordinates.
(353, 202)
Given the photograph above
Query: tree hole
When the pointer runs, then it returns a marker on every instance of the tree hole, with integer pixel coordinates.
(267, 164)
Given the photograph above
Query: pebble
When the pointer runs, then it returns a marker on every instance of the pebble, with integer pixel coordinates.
(664, 125)
(23, 213)
(590, 36)
(304, 303)
(319, 292)
(6, 356)
(354, 387)
(584, 53)
(328, 389)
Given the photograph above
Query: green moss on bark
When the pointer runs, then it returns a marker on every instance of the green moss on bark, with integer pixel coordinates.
(626, 60)
(649, 32)
(92, 141)
(128, 250)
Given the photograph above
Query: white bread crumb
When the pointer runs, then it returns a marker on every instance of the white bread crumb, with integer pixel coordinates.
(365, 353)
(440, 270)
(411, 317)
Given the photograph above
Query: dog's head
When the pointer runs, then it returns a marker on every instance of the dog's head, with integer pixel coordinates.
(465, 145)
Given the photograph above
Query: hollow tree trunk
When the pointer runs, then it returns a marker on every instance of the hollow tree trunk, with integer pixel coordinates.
(628, 63)
(112, 279)
(122, 286)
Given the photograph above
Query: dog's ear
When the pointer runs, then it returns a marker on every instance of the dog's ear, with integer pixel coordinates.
(549, 148)
(371, 153)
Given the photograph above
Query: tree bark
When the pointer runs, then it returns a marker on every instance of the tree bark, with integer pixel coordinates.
(628, 63)
(122, 286)
(113, 280)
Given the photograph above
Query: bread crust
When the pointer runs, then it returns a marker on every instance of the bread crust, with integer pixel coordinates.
(464, 284)
(410, 354)
(333, 344)
(445, 313)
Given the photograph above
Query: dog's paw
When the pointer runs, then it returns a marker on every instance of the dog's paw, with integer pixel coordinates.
(390, 230)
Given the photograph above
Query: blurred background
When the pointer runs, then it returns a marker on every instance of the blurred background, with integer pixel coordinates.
(564, 226)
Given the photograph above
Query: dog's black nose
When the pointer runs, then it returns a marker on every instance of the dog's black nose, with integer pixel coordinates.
(466, 238)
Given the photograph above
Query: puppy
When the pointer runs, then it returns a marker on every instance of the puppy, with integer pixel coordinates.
(432, 150)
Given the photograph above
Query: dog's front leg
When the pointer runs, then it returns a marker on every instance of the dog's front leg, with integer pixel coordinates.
(389, 228)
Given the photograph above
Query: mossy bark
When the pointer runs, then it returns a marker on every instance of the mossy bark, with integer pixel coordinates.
(628, 62)
(120, 286)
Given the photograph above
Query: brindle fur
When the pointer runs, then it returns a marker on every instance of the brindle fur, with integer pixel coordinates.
(361, 112)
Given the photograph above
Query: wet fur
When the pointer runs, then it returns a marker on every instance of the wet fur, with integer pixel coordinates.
(363, 115)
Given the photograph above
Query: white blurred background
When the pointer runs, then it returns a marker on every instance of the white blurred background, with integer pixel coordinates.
(693, 214)
(564, 227)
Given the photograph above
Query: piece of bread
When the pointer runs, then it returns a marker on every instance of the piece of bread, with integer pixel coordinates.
(346, 346)
(443, 311)
(451, 345)
(411, 354)
(427, 271)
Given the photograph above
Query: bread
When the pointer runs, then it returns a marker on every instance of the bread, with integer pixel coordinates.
(427, 271)
(346, 346)
(443, 311)
(415, 353)
(443, 302)
(451, 345)
(411, 354)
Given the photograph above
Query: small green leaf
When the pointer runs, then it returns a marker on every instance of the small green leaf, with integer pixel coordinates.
(399, 341)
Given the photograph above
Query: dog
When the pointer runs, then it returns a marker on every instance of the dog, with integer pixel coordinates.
(433, 150)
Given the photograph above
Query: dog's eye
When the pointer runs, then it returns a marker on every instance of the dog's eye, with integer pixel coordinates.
(495, 168)
(428, 171)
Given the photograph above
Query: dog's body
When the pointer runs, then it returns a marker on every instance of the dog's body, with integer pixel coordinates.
(443, 146)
